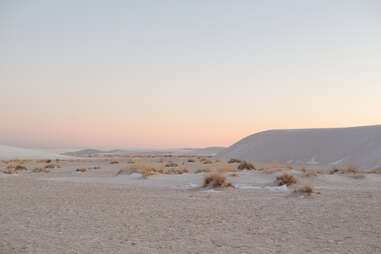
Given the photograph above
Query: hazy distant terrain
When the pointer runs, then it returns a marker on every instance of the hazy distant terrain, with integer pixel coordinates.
(360, 146)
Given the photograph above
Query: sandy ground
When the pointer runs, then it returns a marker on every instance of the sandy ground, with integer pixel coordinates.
(97, 212)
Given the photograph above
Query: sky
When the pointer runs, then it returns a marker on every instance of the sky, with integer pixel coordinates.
(176, 73)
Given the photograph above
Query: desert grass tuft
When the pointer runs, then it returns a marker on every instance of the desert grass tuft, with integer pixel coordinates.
(358, 177)
(216, 180)
(223, 168)
(306, 189)
(82, 170)
(245, 165)
(286, 179)
(233, 160)
(114, 162)
(171, 164)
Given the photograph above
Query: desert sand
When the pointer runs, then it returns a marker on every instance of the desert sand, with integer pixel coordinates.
(108, 210)
(359, 146)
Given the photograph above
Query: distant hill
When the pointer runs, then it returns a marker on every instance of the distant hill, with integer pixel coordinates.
(360, 146)
(208, 150)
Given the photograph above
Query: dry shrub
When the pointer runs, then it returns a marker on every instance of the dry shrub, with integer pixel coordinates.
(171, 164)
(114, 162)
(191, 160)
(206, 161)
(52, 165)
(358, 176)
(82, 170)
(131, 161)
(333, 171)
(350, 170)
(245, 165)
(225, 168)
(216, 181)
(9, 171)
(306, 189)
(203, 170)
(40, 170)
(95, 167)
(286, 179)
(20, 167)
(375, 171)
(234, 174)
(233, 160)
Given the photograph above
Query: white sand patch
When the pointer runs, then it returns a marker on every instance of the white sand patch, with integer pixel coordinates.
(10, 152)
(359, 145)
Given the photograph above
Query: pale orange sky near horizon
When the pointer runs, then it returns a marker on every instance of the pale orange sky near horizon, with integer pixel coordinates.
(177, 74)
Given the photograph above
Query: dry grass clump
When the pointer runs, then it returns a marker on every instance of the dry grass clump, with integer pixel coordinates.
(233, 160)
(203, 170)
(205, 161)
(216, 181)
(40, 170)
(234, 174)
(20, 167)
(52, 165)
(375, 171)
(245, 165)
(114, 162)
(350, 170)
(43, 161)
(272, 170)
(191, 160)
(333, 171)
(306, 189)
(171, 164)
(286, 179)
(9, 171)
(131, 161)
(82, 170)
(290, 166)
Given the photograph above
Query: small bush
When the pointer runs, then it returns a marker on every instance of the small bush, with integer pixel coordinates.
(203, 170)
(131, 161)
(216, 181)
(82, 170)
(191, 160)
(9, 171)
(286, 179)
(334, 171)
(311, 172)
(114, 162)
(171, 164)
(233, 160)
(375, 171)
(306, 189)
(20, 167)
(245, 165)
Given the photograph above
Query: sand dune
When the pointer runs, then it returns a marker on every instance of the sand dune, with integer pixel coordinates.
(360, 146)
(10, 152)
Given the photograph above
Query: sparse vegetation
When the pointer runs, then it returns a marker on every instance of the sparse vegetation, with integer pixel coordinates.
(203, 170)
(233, 160)
(310, 173)
(40, 170)
(114, 162)
(52, 165)
(350, 170)
(131, 161)
(191, 160)
(375, 171)
(82, 170)
(306, 189)
(216, 181)
(205, 161)
(9, 171)
(20, 167)
(171, 164)
(245, 165)
(286, 179)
